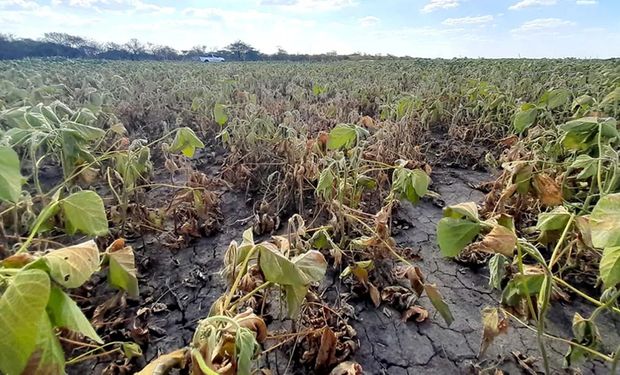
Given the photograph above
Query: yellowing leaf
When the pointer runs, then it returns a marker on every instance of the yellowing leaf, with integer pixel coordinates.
(164, 363)
(467, 210)
(438, 302)
(605, 222)
(72, 266)
(219, 114)
(22, 308)
(48, 357)
(122, 271)
(493, 326)
(609, 266)
(186, 142)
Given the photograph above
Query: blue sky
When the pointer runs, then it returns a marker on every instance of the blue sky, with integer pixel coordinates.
(422, 28)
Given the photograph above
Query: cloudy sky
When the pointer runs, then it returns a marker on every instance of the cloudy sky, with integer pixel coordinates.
(423, 28)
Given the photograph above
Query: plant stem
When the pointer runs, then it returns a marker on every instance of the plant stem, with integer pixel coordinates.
(34, 231)
(235, 285)
(585, 348)
(247, 296)
(582, 294)
(558, 246)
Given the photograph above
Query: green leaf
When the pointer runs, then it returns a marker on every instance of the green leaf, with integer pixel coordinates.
(293, 275)
(48, 356)
(467, 210)
(341, 136)
(581, 101)
(585, 333)
(325, 186)
(410, 184)
(295, 295)
(43, 222)
(556, 98)
(122, 273)
(520, 286)
(312, 265)
(131, 350)
(438, 302)
(246, 346)
(454, 234)
(11, 179)
(72, 266)
(587, 164)
(22, 307)
(524, 119)
(64, 312)
(84, 212)
(497, 270)
(605, 222)
(277, 268)
(553, 220)
(219, 114)
(86, 132)
(609, 267)
(186, 141)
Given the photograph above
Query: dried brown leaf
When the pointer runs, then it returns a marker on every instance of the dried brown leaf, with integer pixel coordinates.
(327, 350)
(547, 190)
(347, 368)
(418, 311)
(375, 296)
(500, 240)
(164, 363)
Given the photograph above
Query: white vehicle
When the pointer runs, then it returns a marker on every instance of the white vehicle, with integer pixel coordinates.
(211, 59)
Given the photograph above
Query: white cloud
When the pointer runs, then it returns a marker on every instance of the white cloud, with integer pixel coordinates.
(587, 2)
(23, 4)
(478, 20)
(128, 6)
(368, 21)
(310, 5)
(439, 4)
(531, 3)
(542, 24)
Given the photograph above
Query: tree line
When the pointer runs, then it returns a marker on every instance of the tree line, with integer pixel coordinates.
(57, 44)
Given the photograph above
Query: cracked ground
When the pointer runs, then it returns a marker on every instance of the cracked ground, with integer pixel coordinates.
(188, 283)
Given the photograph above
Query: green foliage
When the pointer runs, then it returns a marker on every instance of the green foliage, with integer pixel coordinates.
(458, 228)
(64, 312)
(525, 118)
(410, 184)
(295, 274)
(342, 136)
(84, 212)
(219, 114)
(10, 176)
(22, 314)
(186, 141)
(122, 272)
